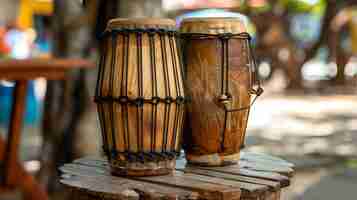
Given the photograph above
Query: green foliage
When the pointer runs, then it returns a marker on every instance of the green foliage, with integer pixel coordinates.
(352, 163)
(312, 6)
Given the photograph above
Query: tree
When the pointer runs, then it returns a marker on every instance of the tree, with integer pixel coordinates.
(65, 100)
(273, 29)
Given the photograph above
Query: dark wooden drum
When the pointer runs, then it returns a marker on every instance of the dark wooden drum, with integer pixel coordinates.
(140, 96)
(220, 73)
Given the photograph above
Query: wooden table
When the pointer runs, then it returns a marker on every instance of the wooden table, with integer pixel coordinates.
(258, 177)
(12, 174)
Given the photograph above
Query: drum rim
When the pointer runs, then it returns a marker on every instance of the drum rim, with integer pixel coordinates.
(212, 19)
(214, 25)
(141, 23)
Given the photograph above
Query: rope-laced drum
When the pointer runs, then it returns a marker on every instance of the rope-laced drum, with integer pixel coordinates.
(140, 96)
(221, 78)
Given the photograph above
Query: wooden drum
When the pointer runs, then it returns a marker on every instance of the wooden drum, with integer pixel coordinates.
(140, 96)
(220, 73)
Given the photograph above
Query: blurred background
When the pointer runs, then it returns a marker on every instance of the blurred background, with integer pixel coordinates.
(306, 52)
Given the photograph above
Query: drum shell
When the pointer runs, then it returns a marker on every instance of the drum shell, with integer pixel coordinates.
(209, 138)
(138, 93)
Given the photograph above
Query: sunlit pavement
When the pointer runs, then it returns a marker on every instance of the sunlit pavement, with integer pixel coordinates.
(317, 133)
(300, 125)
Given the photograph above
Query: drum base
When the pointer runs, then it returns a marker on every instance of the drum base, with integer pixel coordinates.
(142, 169)
(212, 160)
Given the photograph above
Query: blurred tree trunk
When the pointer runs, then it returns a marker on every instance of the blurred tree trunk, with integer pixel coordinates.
(338, 56)
(108, 9)
(140, 8)
(275, 40)
(65, 100)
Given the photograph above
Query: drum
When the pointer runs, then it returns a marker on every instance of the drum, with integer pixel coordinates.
(140, 96)
(221, 81)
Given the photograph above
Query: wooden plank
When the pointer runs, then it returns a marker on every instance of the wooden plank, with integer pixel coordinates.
(100, 182)
(273, 185)
(266, 167)
(92, 161)
(258, 163)
(27, 69)
(248, 189)
(104, 186)
(246, 185)
(257, 175)
(265, 196)
(263, 158)
(237, 170)
(183, 180)
(208, 188)
(204, 190)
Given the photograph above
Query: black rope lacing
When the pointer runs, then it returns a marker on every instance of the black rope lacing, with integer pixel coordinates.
(168, 47)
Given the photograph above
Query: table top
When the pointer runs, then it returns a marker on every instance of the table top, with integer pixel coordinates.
(258, 176)
(26, 69)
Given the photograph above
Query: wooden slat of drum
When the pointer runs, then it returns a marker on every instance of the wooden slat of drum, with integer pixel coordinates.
(205, 190)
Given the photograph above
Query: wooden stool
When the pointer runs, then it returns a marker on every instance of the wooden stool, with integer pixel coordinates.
(12, 174)
(257, 177)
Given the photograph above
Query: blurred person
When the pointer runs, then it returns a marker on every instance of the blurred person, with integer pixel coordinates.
(343, 55)
(347, 16)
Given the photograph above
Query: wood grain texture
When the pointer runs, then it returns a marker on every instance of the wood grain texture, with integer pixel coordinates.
(207, 131)
(140, 65)
(28, 69)
(90, 178)
(97, 180)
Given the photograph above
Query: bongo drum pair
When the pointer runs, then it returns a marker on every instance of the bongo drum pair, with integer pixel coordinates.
(141, 99)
